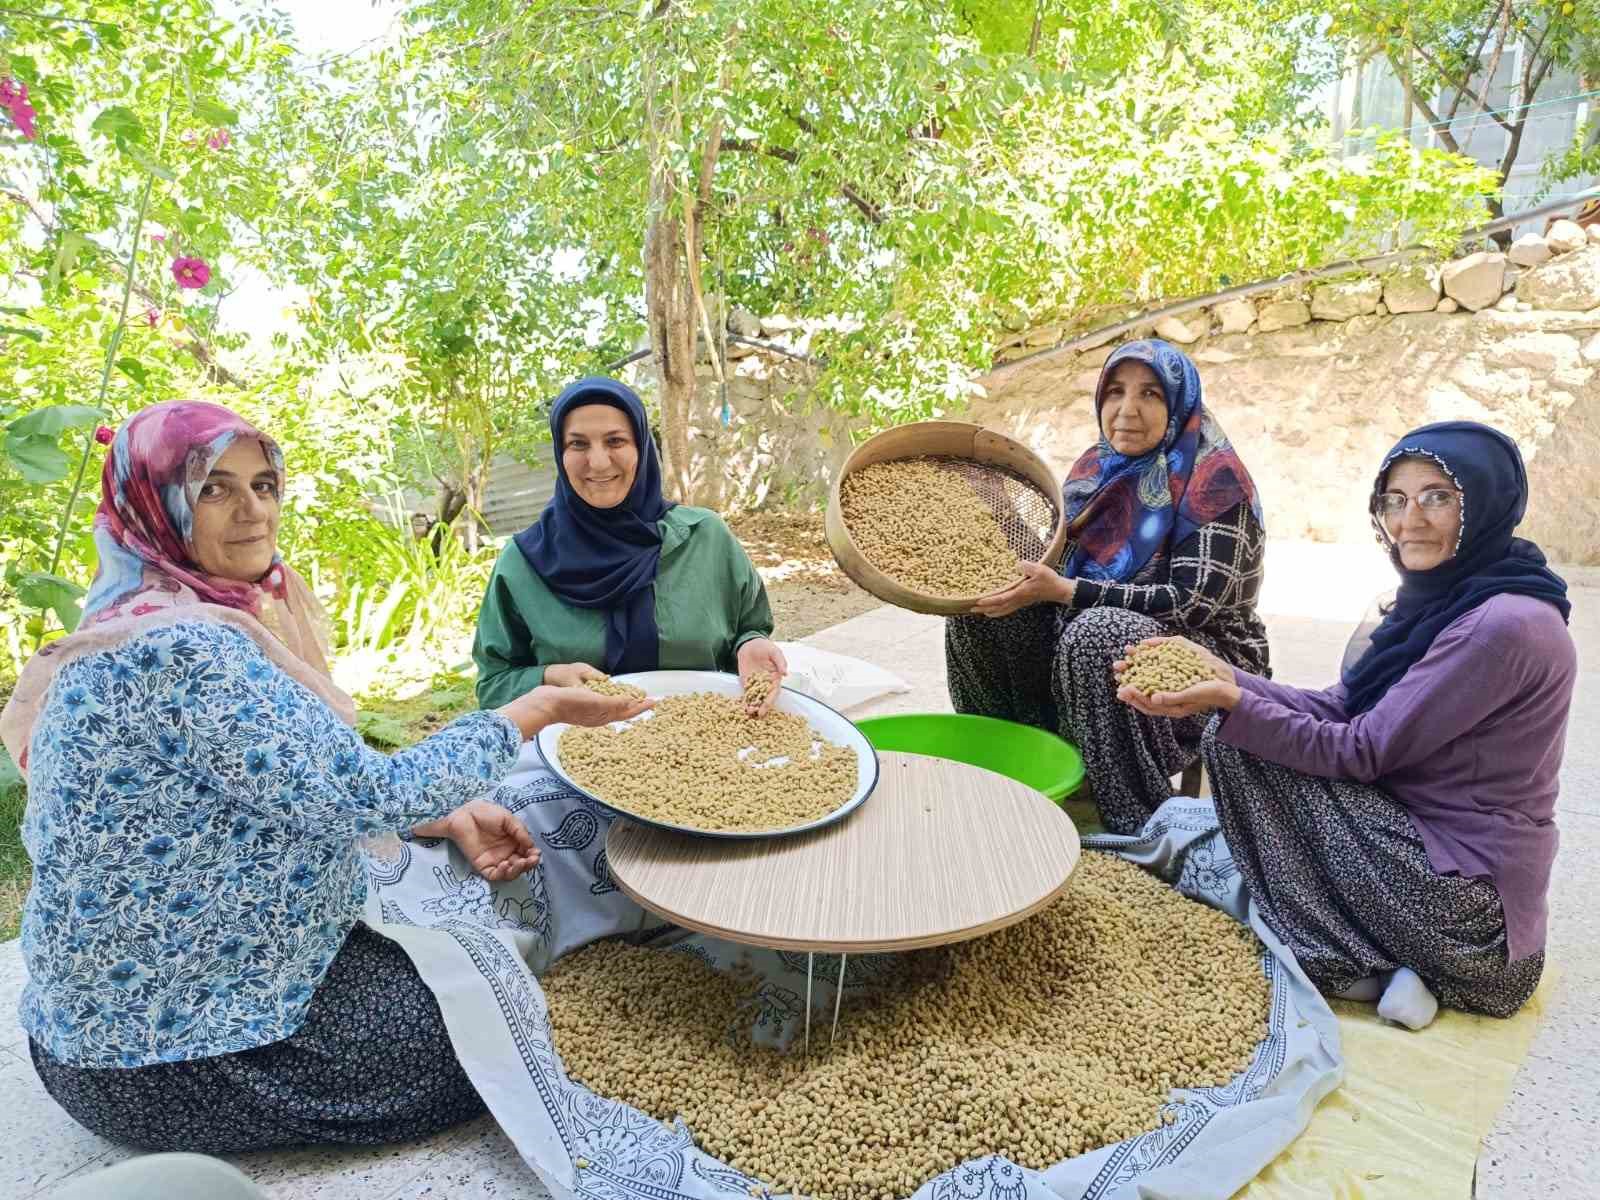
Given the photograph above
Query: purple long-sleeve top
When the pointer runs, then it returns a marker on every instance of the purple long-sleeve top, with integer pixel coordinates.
(1469, 741)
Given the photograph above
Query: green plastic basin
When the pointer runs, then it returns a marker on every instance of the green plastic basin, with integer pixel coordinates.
(1031, 756)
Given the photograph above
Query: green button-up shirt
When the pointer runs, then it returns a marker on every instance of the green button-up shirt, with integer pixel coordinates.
(709, 602)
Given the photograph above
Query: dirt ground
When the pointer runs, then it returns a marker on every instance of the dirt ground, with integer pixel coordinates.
(807, 590)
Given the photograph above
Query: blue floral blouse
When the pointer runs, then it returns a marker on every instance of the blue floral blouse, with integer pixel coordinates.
(192, 816)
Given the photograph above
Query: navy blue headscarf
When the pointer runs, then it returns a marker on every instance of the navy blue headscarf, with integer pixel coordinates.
(1487, 467)
(605, 558)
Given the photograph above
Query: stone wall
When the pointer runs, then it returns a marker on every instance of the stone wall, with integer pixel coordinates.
(1313, 385)
(778, 447)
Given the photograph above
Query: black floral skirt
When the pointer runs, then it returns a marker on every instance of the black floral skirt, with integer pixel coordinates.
(372, 1064)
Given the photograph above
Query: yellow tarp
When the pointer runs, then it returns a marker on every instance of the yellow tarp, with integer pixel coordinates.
(1407, 1121)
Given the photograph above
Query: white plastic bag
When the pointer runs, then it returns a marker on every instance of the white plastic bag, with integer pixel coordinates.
(839, 681)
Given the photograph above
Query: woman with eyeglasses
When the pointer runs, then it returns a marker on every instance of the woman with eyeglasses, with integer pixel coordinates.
(1397, 829)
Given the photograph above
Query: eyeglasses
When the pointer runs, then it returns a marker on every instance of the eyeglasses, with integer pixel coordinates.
(1432, 500)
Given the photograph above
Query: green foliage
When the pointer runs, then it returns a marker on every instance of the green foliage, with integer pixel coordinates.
(910, 175)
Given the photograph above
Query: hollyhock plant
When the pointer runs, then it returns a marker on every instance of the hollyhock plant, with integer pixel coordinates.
(152, 317)
(105, 435)
(191, 272)
(219, 139)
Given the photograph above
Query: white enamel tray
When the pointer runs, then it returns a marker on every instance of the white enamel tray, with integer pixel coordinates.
(830, 724)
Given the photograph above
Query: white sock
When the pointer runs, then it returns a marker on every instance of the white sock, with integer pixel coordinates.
(1407, 1001)
(1365, 990)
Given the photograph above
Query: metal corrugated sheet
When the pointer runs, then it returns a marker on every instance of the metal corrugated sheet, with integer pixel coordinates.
(516, 494)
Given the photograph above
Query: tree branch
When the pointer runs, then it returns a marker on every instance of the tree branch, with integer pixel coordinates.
(1442, 128)
(866, 207)
(1462, 88)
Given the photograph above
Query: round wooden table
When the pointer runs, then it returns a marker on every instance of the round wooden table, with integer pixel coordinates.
(941, 852)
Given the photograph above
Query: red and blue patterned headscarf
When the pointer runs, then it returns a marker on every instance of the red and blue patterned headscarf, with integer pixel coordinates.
(1123, 511)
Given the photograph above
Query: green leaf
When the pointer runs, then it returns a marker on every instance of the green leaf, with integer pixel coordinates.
(72, 244)
(54, 419)
(38, 589)
(213, 113)
(134, 370)
(144, 160)
(119, 122)
(11, 783)
(15, 331)
(382, 730)
(37, 459)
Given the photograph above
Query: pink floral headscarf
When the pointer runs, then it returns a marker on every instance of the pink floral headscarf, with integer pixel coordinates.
(148, 575)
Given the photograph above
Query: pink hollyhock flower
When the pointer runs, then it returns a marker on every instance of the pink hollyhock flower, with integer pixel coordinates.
(152, 317)
(105, 435)
(219, 139)
(14, 99)
(22, 113)
(191, 272)
(158, 238)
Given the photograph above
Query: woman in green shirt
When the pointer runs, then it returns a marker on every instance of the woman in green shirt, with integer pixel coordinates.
(612, 578)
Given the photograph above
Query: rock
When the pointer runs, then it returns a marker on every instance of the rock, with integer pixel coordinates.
(744, 322)
(1568, 284)
(1447, 305)
(1476, 281)
(1184, 328)
(1591, 348)
(1566, 236)
(1412, 289)
(1539, 352)
(740, 350)
(1382, 310)
(1041, 338)
(1236, 316)
(1215, 357)
(778, 323)
(1594, 234)
(1347, 298)
(1523, 306)
(1529, 250)
(1284, 314)
(1506, 303)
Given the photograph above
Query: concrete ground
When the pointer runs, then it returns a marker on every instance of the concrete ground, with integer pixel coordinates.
(1545, 1142)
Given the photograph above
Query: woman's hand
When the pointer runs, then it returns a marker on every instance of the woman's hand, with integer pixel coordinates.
(548, 705)
(1039, 585)
(1219, 692)
(761, 656)
(496, 844)
(571, 674)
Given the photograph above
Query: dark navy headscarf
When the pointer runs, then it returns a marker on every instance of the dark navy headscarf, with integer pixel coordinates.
(1486, 466)
(1121, 512)
(605, 558)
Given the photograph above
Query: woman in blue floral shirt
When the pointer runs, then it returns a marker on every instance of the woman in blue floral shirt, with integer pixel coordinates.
(199, 978)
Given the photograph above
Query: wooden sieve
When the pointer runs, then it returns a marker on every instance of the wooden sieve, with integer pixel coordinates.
(1011, 479)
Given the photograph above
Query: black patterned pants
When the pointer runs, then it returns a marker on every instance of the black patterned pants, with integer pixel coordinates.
(1339, 872)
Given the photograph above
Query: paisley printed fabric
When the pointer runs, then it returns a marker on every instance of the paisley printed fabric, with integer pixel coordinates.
(486, 952)
(192, 820)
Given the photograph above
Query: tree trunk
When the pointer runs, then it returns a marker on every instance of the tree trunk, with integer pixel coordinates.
(669, 305)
